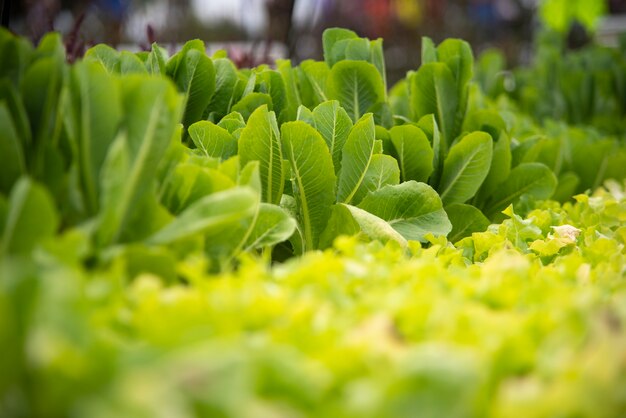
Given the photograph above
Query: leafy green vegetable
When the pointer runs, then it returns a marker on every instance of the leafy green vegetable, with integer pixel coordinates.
(312, 177)
(356, 158)
(357, 85)
(411, 208)
(260, 141)
(415, 155)
(466, 167)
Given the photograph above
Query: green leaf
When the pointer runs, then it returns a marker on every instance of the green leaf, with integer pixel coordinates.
(465, 219)
(41, 91)
(466, 167)
(271, 83)
(232, 122)
(313, 76)
(213, 140)
(305, 115)
(272, 226)
(12, 164)
(382, 171)
(567, 185)
(356, 158)
(31, 216)
(291, 88)
(415, 154)
(151, 107)
(433, 91)
(189, 183)
(413, 209)
(351, 220)
(428, 125)
(251, 102)
(92, 122)
(131, 64)
(332, 121)
(313, 178)
(378, 59)
(209, 215)
(194, 74)
(457, 55)
(16, 53)
(500, 167)
(330, 38)
(157, 60)
(15, 105)
(260, 141)
(429, 51)
(225, 81)
(357, 85)
(108, 57)
(532, 179)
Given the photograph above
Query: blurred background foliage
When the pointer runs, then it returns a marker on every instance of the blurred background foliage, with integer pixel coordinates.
(255, 31)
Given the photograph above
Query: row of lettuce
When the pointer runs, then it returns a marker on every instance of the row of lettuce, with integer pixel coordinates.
(446, 289)
(523, 320)
(278, 160)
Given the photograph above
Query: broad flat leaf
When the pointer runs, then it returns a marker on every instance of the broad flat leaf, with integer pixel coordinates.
(313, 76)
(194, 74)
(413, 209)
(108, 57)
(211, 214)
(357, 85)
(131, 64)
(500, 167)
(534, 179)
(232, 122)
(313, 179)
(251, 102)
(488, 121)
(157, 60)
(16, 55)
(225, 80)
(41, 91)
(415, 155)
(273, 225)
(433, 91)
(330, 37)
(213, 140)
(92, 122)
(291, 88)
(151, 108)
(31, 216)
(357, 49)
(356, 158)
(332, 121)
(351, 220)
(382, 171)
(466, 167)
(399, 100)
(457, 55)
(12, 164)
(378, 59)
(465, 219)
(260, 141)
(429, 51)
(271, 83)
(305, 115)
(189, 183)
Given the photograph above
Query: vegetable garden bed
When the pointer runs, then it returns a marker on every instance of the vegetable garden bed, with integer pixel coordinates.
(184, 238)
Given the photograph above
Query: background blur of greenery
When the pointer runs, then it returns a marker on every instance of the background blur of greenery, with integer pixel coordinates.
(292, 28)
